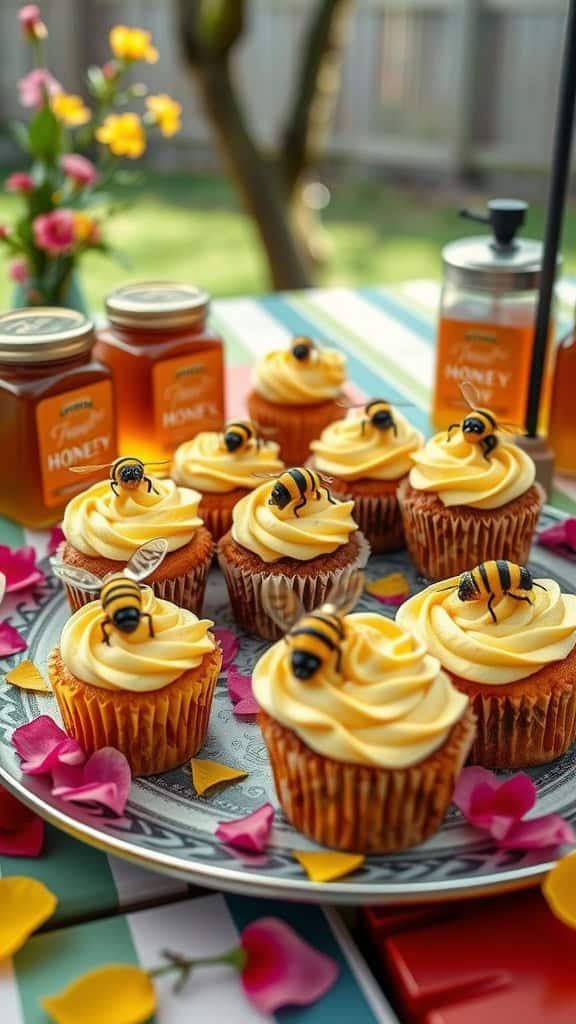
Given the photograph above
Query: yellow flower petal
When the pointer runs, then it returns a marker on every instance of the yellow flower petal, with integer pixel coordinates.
(116, 994)
(27, 677)
(132, 44)
(166, 113)
(206, 774)
(559, 888)
(123, 134)
(327, 866)
(70, 109)
(389, 586)
(25, 904)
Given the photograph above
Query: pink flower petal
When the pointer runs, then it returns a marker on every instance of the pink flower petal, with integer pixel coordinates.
(239, 685)
(21, 831)
(281, 968)
(560, 538)
(482, 797)
(537, 833)
(42, 745)
(19, 568)
(105, 780)
(247, 708)
(393, 600)
(250, 833)
(11, 640)
(229, 643)
(55, 540)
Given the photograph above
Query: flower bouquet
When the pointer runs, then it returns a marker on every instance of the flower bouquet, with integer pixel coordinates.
(64, 193)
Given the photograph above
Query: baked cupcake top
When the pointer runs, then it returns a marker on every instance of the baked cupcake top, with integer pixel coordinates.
(100, 523)
(288, 379)
(459, 474)
(318, 528)
(206, 464)
(135, 661)
(468, 643)
(390, 706)
(354, 449)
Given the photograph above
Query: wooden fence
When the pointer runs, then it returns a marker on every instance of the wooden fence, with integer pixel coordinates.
(437, 85)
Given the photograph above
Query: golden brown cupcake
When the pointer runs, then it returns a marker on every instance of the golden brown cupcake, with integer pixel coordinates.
(296, 393)
(148, 696)
(461, 506)
(518, 668)
(365, 755)
(224, 467)
(367, 462)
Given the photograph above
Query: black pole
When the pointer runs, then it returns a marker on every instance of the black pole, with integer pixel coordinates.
(559, 172)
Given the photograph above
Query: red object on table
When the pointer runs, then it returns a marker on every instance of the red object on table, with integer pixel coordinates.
(498, 960)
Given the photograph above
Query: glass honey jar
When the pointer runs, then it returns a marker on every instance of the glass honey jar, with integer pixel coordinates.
(168, 366)
(56, 412)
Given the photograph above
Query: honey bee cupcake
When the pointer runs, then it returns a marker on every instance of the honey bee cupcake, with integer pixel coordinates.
(508, 643)
(224, 467)
(297, 392)
(366, 735)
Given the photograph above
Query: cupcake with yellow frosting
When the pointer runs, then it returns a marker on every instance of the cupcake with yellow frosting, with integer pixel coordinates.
(296, 393)
(460, 507)
(365, 754)
(288, 536)
(367, 463)
(147, 695)
(104, 527)
(225, 467)
(516, 663)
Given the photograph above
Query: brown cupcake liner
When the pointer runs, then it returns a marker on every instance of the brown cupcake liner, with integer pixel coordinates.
(249, 591)
(216, 511)
(156, 731)
(364, 809)
(378, 517)
(448, 541)
(295, 426)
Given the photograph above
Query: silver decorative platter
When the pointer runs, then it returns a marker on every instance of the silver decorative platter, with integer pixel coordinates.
(168, 828)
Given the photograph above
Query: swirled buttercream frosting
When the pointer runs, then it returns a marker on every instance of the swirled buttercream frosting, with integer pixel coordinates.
(102, 524)
(459, 474)
(136, 661)
(285, 380)
(389, 707)
(354, 449)
(206, 465)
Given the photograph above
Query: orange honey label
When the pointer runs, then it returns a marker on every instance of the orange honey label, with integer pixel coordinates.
(188, 394)
(75, 428)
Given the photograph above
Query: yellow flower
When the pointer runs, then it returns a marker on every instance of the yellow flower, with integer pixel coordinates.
(116, 994)
(165, 113)
(123, 134)
(26, 904)
(70, 109)
(132, 44)
(85, 227)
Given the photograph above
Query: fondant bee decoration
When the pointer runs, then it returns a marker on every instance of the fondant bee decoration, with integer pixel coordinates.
(314, 638)
(494, 580)
(378, 412)
(296, 487)
(303, 349)
(479, 426)
(119, 593)
(237, 436)
(126, 473)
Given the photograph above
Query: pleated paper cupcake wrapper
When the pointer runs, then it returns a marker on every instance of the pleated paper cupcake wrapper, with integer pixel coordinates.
(358, 808)
(156, 731)
(186, 591)
(217, 521)
(451, 543)
(294, 431)
(252, 592)
(516, 732)
(379, 519)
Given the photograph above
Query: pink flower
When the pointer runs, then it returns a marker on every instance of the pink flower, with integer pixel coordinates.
(20, 181)
(104, 779)
(281, 969)
(80, 170)
(55, 539)
(110, 69)
(561, 538)
(31, 23)
(36, 86)
(18, 270)
(229, 643)
(19, 567)
(11, 640)
(54, 231)
(239, 685)
(250, 833)
(43, 746)
(4, 231)
(498, 806)
(21, 831)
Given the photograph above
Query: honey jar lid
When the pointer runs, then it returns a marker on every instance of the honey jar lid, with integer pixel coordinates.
(41, 334)
(153, 305)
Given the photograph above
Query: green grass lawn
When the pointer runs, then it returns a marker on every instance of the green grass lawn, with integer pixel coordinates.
(191, 228)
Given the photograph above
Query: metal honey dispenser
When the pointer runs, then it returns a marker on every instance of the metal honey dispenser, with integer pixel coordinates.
(487, 311)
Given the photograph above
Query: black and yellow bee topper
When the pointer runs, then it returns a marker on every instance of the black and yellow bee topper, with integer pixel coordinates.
(126, 473)
(237, 436)
(119, 593)
(378, 414)
(494, 580)
(296, 487)
(315, 638)
(303, 349)
(479, 426)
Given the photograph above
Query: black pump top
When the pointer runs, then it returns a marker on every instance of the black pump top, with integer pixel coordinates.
(505, 216)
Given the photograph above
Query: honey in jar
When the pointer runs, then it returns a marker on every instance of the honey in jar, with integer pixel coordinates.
(168, 366)
(562, 422)
(56, 412)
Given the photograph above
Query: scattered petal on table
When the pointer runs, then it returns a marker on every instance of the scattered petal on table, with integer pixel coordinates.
(559, 888)
(206, 774)
(118, 994)
(247, 708)
(11, 641)
(239, 685)
(328, 866)
(27, 677)
(250, 833)
(229, 643)
(26, 904)
(105, 780)
(282, 969)
(538, 833)
(392, 589)
(483, 798)
(561, 538)
(21, 831)
(55, 540)
(42, 745)
(2, 586)
(19, 567)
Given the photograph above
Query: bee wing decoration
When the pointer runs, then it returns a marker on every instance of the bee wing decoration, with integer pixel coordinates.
(324, 478)
(165, 462)
(74, 575)
(146, 559)
(511, 428)
(266, 476)
(469, 394)
(282, 605)
(346, 593)
(89, 469)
